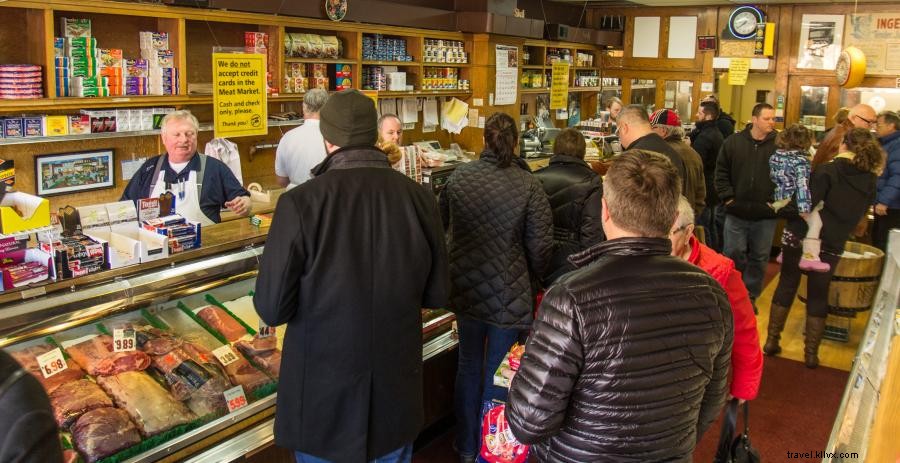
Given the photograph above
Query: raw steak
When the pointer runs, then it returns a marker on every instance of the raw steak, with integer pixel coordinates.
(102, 432)
(154, 341)
(263, 352)
(151, 407)
(96, 356)
(73, 399)
(28, 359)
(239, 372)
(222, 322)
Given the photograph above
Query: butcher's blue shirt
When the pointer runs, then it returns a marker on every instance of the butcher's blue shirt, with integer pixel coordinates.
(219, 184)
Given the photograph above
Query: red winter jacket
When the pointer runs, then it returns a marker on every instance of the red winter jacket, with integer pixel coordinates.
(746, 355)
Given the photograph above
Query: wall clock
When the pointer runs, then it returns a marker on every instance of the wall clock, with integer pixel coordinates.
(743, 20)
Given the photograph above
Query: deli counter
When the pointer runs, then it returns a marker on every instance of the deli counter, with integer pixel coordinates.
(157, 352)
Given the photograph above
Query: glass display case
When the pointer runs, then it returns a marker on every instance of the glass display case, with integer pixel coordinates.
(643, 92)
(813, 107)
(162, 353)
(880, 99)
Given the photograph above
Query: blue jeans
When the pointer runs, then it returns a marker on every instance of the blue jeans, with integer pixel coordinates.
(482, 347)
(748, 243)
(401, 455)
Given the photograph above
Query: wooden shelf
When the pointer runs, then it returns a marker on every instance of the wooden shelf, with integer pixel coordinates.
(446, 65)
(586, 68)
(320, 60)
(391, 63)
(535, 90)
(584, 89)
(539, 67)
(387, 94)
(68, 103)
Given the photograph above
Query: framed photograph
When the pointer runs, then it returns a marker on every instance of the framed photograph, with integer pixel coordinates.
(820, 41)
(73, 172)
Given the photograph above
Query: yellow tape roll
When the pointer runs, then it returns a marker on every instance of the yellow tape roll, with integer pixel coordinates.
(851, 67)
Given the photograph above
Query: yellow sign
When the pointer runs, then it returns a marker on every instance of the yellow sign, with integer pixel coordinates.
(737, 71)
(239, 94)
(559, 86)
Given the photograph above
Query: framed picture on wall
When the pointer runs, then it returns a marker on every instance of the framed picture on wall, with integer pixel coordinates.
(820, 41)
(74, 172)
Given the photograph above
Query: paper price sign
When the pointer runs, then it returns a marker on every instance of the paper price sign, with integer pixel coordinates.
(239, 94)
(266, 331)
(123, 340)
(51, 362)
(235, 398)
(225, 355)
(559, 86)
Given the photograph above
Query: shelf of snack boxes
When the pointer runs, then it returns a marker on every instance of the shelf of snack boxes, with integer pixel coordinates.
(26, 234)
(64, 103)
(135, 133)
(449, 92)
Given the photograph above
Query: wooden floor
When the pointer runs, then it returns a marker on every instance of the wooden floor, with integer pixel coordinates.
(832, 354)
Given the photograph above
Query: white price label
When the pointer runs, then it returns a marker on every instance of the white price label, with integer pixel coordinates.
(235, 398)
(225, 355)
(123, 340)
(266, 331)
(51, 362)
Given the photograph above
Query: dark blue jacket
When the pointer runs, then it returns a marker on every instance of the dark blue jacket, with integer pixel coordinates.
(889, 181)
(219, 184)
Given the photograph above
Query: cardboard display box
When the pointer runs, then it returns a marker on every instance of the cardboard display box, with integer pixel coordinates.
(33, 212)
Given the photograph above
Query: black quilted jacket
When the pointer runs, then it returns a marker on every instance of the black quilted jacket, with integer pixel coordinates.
(627, 361)
(574, 191)
(500, 237)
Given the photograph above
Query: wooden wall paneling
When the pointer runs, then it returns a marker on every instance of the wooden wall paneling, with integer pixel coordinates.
(275, 56)
(38, 33)
(203, 37)
(783, 48)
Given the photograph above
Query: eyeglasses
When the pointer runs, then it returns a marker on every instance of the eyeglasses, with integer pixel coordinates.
(871, 123)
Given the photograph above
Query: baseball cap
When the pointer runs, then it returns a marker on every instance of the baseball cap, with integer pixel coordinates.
(665, 117)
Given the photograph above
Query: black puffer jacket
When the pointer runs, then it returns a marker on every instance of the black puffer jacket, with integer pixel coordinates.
(574, 191)
(627, 361)
(500, 240)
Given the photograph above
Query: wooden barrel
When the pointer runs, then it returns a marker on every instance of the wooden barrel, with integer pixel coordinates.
(854, 282)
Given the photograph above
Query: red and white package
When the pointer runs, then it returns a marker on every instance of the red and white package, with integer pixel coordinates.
(498, 445)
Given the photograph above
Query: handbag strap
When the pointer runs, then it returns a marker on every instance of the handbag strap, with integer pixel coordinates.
(746, 418)
(729, 423)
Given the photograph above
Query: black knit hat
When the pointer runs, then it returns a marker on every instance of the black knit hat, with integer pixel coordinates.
(349, 118)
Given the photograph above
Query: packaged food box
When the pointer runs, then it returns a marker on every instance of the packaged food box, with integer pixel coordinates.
(75, 27)
(21, 211)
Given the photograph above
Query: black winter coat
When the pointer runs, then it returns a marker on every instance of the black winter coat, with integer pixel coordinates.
(351, 258)
(28, 430)
(706, 139)
(742, 174)
(653, 142)
(574, 191)
(627, 361)
(500, 238)
(847, 193)
(725, 123)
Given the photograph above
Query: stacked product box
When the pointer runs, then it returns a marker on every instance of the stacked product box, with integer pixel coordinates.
(374, 78)
(377, 47)
(20, 265)
(162, 75)
(136, 72)
(258, 42)
(318, 76)
(21, 81)
(77, 255)
(295, 78)
(182, 234)
(445, 51)
(21, 126)
(342, 75)
(77, 60)
(112, 69)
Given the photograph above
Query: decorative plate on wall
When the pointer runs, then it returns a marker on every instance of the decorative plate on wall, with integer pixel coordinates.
(336, 9)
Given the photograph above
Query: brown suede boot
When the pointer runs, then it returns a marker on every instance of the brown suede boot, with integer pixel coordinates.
(815, 328)
(777, 316)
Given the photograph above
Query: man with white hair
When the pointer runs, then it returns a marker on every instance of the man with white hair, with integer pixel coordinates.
(202, 185)
(302, 148)
(667, 124)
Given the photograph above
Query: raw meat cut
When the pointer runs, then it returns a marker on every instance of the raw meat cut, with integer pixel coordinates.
(263, 352)
(102, 432)
(73, 399)
(96, 356)
(151, 407)
(28, 359)
(239, 372)
(191, 379)
(222, 322)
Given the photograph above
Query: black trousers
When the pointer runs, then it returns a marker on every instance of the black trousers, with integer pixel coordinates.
(816, 282)
(884, 224)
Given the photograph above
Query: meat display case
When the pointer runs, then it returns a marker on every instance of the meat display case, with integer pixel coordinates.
(167, 293)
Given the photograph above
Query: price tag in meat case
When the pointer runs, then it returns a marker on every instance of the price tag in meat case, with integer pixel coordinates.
(235, 398)
(225, 355)
(51, 362)
(265, 331)
(123, 340)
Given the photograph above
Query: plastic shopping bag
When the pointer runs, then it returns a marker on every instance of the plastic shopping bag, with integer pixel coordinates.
(498, 445)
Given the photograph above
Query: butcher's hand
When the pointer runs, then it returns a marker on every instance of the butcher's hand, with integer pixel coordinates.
(239, 205)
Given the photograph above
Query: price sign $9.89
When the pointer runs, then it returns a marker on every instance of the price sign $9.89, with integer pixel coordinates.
(123, 340)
